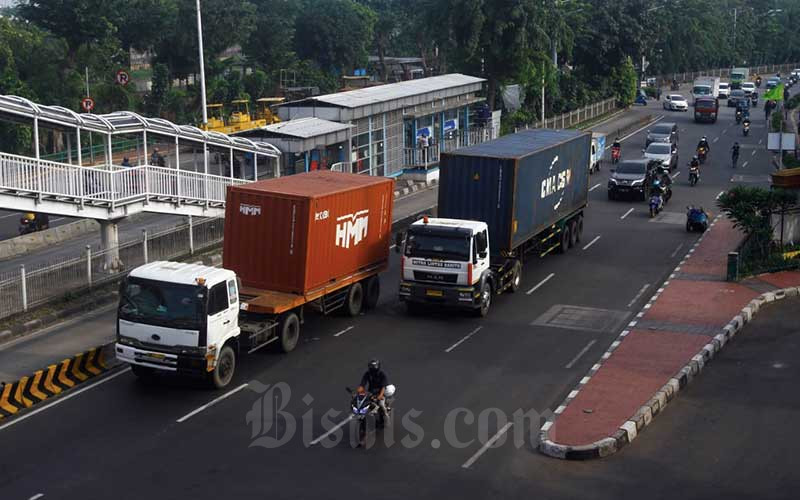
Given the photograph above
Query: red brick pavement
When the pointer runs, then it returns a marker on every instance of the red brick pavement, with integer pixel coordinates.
(711, 257)
(711, 303)
(783, 279)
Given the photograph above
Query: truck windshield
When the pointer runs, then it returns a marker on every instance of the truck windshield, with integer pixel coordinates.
(160, 303)
(453, 246)
(701, 90)
(737, 76)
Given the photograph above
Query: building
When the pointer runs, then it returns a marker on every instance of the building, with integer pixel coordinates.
(401, 127)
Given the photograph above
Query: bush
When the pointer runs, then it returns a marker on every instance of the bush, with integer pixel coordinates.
(650, 92)
(793, 102)
(776, 121)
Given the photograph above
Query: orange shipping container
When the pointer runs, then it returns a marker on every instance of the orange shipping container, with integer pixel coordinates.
(297, 233)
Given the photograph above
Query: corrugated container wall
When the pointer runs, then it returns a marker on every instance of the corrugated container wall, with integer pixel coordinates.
(518, 184)
(300, 232)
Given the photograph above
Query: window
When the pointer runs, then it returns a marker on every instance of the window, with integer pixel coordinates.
(232, 295)
(218, 299)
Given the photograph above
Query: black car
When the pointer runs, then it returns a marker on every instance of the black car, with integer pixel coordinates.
(632, 178)
(736, 97)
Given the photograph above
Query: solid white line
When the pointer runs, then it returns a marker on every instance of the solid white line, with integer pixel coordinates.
(36, 496)
(592, 242)
(474, 458)
(720, 194)
(333, 429)
(344, 331)
(9, 215)
(594, 187)
(210, 404)
(57, 219)
(676, 251)
(636, 297)
(473, 332)
(540, 284)
(581, 353)
(627, 213)
(676, 174)
(58, 401)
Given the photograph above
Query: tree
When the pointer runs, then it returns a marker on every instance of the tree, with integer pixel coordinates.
(625, 82)
(271, 43)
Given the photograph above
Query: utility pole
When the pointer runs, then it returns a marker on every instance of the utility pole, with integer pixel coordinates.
(735, 14)
(202, 64)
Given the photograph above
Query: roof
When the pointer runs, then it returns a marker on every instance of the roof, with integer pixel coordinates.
(314, 184)
(304, 128)
(451, 223)
(521, 144)
(181, 273)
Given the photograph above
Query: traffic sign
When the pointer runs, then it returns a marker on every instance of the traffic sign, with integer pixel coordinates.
(87, 104)
(123, 78)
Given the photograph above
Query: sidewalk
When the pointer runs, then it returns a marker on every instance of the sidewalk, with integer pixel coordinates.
(668, 343)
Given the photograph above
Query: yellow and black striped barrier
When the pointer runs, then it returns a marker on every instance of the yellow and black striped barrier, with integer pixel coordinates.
(55, 379)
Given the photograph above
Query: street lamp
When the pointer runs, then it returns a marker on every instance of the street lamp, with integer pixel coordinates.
(202, 64)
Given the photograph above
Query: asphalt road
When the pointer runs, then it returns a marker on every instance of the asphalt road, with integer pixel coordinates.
(9, 223)
(455, 375)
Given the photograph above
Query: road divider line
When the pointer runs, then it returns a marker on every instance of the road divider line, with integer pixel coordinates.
(581, 353)
(9, 215)
(58, 401)
(343, 331)
(636, 297)
(592, 242)
(470, 334)
(744, 164)
(474, 458)
(332, 430)
(595, 186)
(540, 284)
(210, 404)
(676, 174)
(627, 213)
(720, 194)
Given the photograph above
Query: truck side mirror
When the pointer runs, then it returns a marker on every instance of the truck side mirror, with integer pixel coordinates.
(398, 241)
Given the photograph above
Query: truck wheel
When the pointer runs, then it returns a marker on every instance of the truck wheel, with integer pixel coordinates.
(564, 244)
(579, 229)
(486, 300)
(226, 366)
(289, 331)
(143, 373)
(355, 300)
(516, 276)
(573, 234)
(373, 292)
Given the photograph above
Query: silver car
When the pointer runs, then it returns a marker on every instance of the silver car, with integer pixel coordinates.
(666, 154)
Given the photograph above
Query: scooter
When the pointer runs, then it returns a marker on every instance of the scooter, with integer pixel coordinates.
(656, 204)
(32, 222)
(738, 116)
(701, 154)
(694, 175)
(754, 100)
(615, 154)
(696, 219)
(746, 128)
(641, 99)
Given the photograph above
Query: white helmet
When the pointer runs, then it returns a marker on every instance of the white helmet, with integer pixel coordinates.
(389, 391)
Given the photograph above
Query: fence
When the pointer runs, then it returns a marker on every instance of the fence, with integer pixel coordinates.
(725, 72)
(576, 117)
(29, 287)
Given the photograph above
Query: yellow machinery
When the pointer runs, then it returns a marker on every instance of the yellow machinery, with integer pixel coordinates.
(240, 117)
(216, 120)
(265, 111)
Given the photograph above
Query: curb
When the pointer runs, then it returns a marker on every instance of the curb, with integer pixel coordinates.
(413, 188)
(629, 430)
(55, 379)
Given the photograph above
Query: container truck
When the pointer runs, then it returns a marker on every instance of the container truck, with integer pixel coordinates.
(519, 194)
(705, 86)
(315, 240)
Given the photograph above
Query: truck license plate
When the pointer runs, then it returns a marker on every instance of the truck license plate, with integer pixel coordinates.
(435, 293)
(155, 355)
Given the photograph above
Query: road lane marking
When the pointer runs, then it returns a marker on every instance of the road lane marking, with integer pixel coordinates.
(627, 213)
(636, 297)
(210, 404)
(715, 139)
(676, 251)
(58, 219)
(753, 153)
(676, 174)
(581, 353)
(744, 164)
(392, 247)
(344, 331)
(36, 496)
(474, 458)
(760, 141)
(9, 215)
(58, 401)
(470, 334)
(720, 194)
(595, 186)
(540, 284)
(332, 430)
(592, 242)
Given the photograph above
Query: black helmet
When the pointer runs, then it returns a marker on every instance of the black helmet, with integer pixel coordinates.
(374, 365)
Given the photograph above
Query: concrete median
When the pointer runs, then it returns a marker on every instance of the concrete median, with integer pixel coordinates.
(27, 243)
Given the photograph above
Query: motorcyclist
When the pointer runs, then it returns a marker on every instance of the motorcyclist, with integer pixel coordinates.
(375, 381)
(695, 163)
(704, 144)
(617, 144)
(735, 153)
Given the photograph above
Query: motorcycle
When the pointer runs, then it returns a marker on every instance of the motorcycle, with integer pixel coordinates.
(641, 99)
(656, 204)
(615, 154)
(675, 86)
(696, 219)
(746, 128)
(694, 175)
(701, 154)
(32, 222)
(738, 116)
(754, 100)
(364, 406)
(758, 81)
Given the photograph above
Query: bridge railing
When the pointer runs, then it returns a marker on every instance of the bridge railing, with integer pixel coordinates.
(113, 185)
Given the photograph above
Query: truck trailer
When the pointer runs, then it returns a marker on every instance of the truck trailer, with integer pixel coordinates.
(316, 240)
(498, 201)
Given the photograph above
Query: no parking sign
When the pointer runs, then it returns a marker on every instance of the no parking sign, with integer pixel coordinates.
(123, 78)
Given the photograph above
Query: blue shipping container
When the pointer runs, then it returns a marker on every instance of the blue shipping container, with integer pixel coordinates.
(519, 184)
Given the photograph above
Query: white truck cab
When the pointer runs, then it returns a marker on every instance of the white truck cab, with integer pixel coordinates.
(179, 317)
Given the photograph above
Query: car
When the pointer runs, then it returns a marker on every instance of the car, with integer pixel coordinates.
(724, 90)
(663, 132)
(736, 96)
(675, 102)
(773, 82)
(632, 178)
(795, 73)
(749, 88)
(666, 154)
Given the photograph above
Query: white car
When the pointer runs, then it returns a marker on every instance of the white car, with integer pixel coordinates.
(749, 88)
(666, 154)
(724, 90)
(796, 73)
(675, 102)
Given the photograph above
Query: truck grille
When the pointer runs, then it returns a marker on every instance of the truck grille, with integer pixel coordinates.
(436, 277)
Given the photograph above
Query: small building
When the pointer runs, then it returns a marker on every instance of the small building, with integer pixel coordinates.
(400, 126)
(306, 143)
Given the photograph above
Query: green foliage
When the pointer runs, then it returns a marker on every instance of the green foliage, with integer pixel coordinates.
(776, 121)
(624, 82)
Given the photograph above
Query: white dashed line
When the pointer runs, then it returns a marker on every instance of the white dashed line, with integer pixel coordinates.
(540, 284)
(676, 174)
(339, 334)
(210, 404)
(720, 194)
(581, 353)
(488, 445)
(332, 430)
(676, 251)
(470, 334)
(592, 242)
(753, 153)
(627, 213)
(594, 187)
(636, 297)
(744, 164)
(715, 139)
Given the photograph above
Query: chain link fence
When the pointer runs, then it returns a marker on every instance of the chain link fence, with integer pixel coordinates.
(33, 286)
